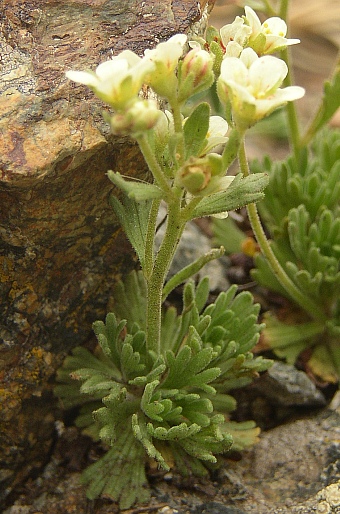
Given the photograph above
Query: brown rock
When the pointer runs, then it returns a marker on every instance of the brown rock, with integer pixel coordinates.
(60, 248)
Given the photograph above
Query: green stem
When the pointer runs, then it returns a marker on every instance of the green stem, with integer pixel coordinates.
(150, 238)
(269, 9)
(283, 12)
(153, 164)
(319, 119)
(160, 270)
(303, 301)
(293, 123)
(178, 126)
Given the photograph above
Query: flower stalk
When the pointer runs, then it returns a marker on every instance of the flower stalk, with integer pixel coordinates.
(302, 300)
(156, 280)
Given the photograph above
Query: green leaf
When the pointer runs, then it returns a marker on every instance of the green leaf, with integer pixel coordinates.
(150, 404)
(176, 432)
(240, 192)
(107, 335)
(81, 366)
(133, 217)
(142, 435)
(137, 191)
(130, 299)
(120, 473)
(209, 441)
(130, 361)
(190, 270)
(202, 293)
(189, 370)
(195, 129)
(330, 104)
(278, 334)
(231, 149)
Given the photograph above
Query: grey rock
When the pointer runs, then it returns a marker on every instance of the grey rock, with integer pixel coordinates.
(287, 386)
(216, 508)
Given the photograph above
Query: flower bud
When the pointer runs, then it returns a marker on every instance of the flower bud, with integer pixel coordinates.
(199, 175)
(196, 73)
(141, 116)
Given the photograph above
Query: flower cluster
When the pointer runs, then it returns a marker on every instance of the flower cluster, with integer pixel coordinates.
(248, 84)
(248, 78)
(247, 31)
(119, 81)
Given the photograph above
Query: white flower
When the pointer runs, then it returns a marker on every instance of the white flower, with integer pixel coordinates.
(251, 84)
(269, 36)
(168, 52)
(216, 135)
(117, 81)
(165, 58)
(234, 37)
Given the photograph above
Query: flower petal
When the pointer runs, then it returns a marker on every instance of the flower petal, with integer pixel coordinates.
(83, 77)
(274, 26)
(266, 74)
(252, 19)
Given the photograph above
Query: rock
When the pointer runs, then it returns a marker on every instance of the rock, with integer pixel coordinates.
(61, 248)
(291, 463)
(284, 385)
(216, 508)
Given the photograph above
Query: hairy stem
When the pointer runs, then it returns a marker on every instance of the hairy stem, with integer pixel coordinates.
(150, 238)
(160, 270)
(302, 300)
(153, 164)
(178, 126)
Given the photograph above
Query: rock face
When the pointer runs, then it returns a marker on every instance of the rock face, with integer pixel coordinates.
(60, 246)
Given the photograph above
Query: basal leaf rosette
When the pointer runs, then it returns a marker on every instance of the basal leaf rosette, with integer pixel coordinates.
(251, 84)
(118, 81)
